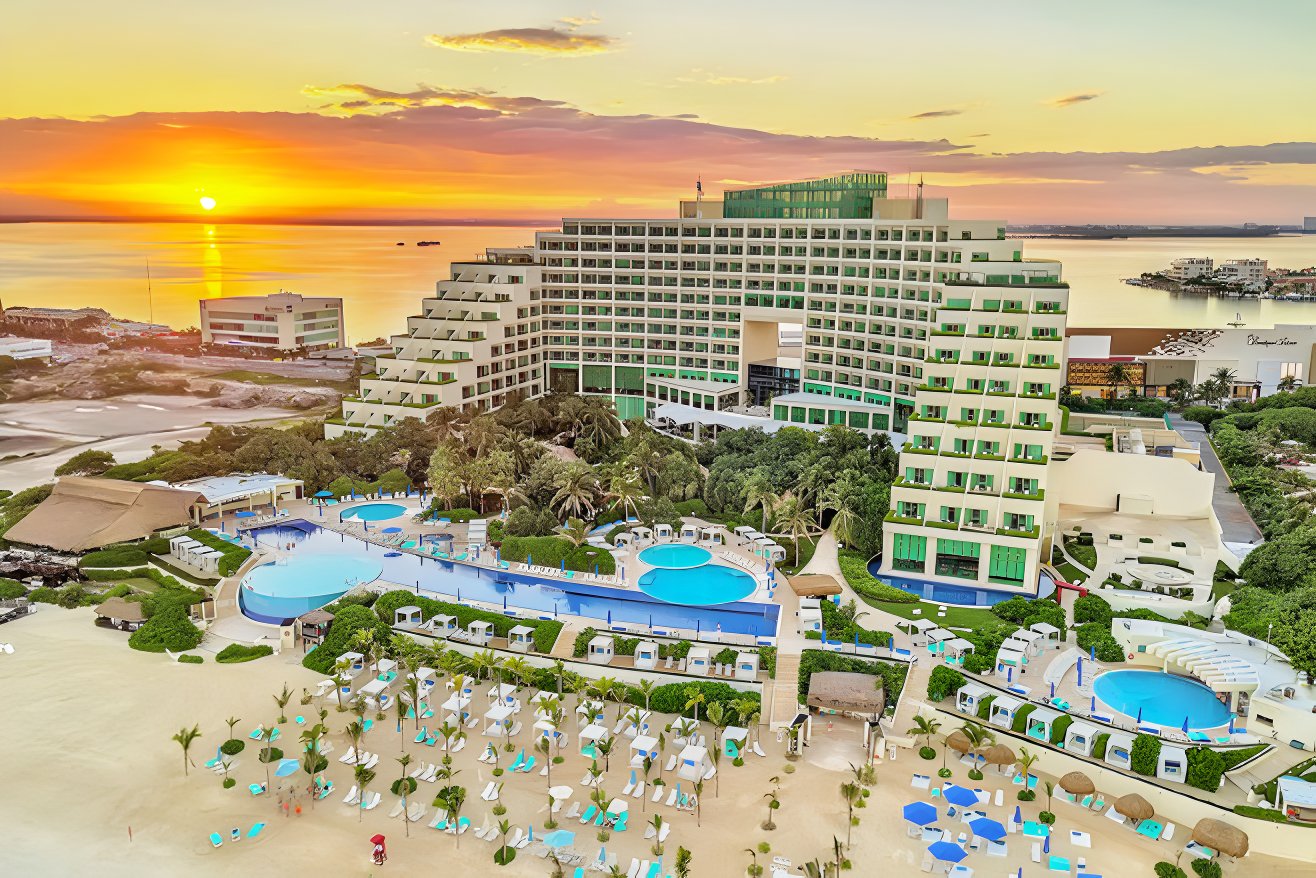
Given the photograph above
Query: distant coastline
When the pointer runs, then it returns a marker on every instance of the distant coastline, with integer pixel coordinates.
(275, 221)
(1115, 232)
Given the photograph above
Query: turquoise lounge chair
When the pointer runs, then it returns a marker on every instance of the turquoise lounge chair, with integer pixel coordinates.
(367, 725)
(256, 733)
(463, 823)
(255, 830)
(603, 817)
(654, 870)
(429, 712)
(300, 720)
(256, 789)
(529, 764)
(503, 565)
(520, 760)
(461, 557)
(620, 825)
(422, 734)
(409, 544)
(589, 814)
(215, 840)
(214, 763)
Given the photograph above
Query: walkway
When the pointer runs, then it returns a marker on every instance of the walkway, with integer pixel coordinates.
(566, 638)
(1236, 524)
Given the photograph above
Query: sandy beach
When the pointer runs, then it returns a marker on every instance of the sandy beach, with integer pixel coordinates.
(90, 760)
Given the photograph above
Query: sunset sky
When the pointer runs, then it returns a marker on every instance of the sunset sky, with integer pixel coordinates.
(1030, 110)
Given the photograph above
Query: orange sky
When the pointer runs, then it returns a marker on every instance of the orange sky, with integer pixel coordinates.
(1021, 110)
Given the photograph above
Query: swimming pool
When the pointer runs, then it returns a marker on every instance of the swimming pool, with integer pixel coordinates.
(704, 585)
(675, 556)
(274, 593)
(446, 581)
(375, 512)
(1161, 698)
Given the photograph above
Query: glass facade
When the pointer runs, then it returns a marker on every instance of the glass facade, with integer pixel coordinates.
(845, 196)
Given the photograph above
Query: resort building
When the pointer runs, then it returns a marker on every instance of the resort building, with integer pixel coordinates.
(1190, 267)
(241, 492)
(279, 322)
(1247, 273)
(85, 513)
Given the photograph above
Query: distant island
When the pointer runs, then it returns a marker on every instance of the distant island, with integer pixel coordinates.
(1247, 230)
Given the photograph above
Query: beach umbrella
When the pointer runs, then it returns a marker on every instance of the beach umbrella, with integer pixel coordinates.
(1139, 719)
(504, 602)
(1134, 807)
(920, 813)
(1092, 706)
(609, 617)
(1018, 815)
(1092, 653)
(559, 839)
(1009, 674)
(1078, 783)
(245, 513)
(1046, 844)
(1053, 690)
(999, 754)
(286, 767)
(891, 643)
(392, 530)
(1185, 725)
(958, 742)
(1220, 836)
(498, 555)
(946, 851)
(1231, 723)
(596, 568)
(957, 795)
(323, 494)
(984, 827)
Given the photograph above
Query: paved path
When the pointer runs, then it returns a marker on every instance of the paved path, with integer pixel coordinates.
(566, 639)
(1236, 524)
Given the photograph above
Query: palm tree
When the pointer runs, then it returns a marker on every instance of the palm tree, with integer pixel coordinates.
(185, 737)
(355, 730)
(574, 530)
(404, 784)
(647, 766)
(1118, 375)
(979, 739)
(232, 721)
(836, 498)
(1026, 761)
(363, 777)
(576, 496)
(758, 492)
(850, 793)
(341, 668)
(645, 687)
(267, 735)
(365, 643)
(1288, 384)
(793, 519)
(926, 727)
(605, 748)
(1181, 390)
(624, 489)
(412, 689)
(694, 696)
(699, 803)
(282, 700)
(683, 858)
(773, 802)
(657, 824)
(559, 672)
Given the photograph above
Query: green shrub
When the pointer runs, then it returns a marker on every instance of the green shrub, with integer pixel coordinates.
(270, 754)
(11, 588)
(1091, 608)
(398, 785)
(1024, 612)
(461, 514)
(1202, 414)
(546, 631)
(854, 567)
(1206, 868)
(892, 673)
(1169, 870)
(839, 626)
(978, 664)
(168, 629)
(43, 595)
(347, 622)
(1205, 769)
(1026, 795)
(125, 555)
(552, 551)
(1099, 746)
(190, 659)
(232, 747)
(1059, 727)
(1096, 636)
(1261, 813)
(985, 706)
(943, 682)
(1236, 757)
(1020, 722)
(236, 652)
(1145, 755)
(527, 521)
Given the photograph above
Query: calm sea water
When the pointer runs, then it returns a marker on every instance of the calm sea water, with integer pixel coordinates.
(70, 265)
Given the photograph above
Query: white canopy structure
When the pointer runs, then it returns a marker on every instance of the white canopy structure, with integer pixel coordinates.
(693, 763)
(959, 646)
(1044, 628)
(1220, 670)
(919, 625)
(643, 746)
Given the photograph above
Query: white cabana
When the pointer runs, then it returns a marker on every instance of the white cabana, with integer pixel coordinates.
(810, 618)
(969, 696)
(1119, 749)
(590, 710)
(546, 729)
(1040, 722)
(1046, 630)
(662, 532)
(591, 734)
(744, 531)
(457, 702)
(1003, 711)
(407, 615)
(713, 534)
(1080, 737)
(1009, 658)
(600, 650)
(625, 538)
(696, 661)
(442, 626)
(1032, 638)
(1297, 796)
(919, 625)
(643, 535)
(481, 632)
(646, 655)
(938, 635)
(958, 646)
(1172, 764)
(385, 666)
(356, 666)
(520, 638)
(747, 666)
(733, 741)
(497, 719)
(693, 763)
(644, 746)
(689, 532)
(424, 678)
(1014, 644)
(501, 692)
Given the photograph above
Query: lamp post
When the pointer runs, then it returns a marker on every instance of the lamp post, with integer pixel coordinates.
(1269, 625)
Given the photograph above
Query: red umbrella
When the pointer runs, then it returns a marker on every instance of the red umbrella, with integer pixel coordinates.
(380, 852)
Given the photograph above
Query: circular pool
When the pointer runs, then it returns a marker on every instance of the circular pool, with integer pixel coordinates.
(375, 512)
(675, 556)
(274, 593)
(701, 586)
(1161, 698)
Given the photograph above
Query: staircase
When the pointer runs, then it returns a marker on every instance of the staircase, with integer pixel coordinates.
(783, 690)
(566, 640)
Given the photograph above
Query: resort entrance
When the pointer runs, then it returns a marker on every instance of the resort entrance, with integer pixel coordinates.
(958, 558)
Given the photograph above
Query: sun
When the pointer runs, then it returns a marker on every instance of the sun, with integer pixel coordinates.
(208, 203)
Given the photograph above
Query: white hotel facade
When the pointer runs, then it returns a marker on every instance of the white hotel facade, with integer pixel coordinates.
(913, 323)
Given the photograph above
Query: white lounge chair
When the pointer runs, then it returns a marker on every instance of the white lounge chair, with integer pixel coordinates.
(353, 796)
(757, 750)
(371, 801)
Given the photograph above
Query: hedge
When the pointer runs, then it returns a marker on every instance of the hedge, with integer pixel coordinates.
(1099, 744)
(1095, 635)
(348, 620)
(169, 629)
(1205, 769)
(234, 556)
(1025, 613)
(115, 556)
(838, 628)
(985, 706)
(11, 588)
(1235, 758)
(552, 551)
(236, 652)
(1169, 870)
(854, 567)
(1091, 608)
(190, 659)
(944, 682)
(1145, 756)
(1261, 813)
(546, 631)
(1058, 729)
(1206, 868)
(892, 673)
(1020, 723)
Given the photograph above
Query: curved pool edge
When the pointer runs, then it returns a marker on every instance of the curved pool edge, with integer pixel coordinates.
(704, 555)
(1192, 713)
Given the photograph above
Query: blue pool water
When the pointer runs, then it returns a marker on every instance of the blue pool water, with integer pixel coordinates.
(375, 512)
(705, 585)
(276, 592)
(1164, 699)
(445, 580)
(675, 556)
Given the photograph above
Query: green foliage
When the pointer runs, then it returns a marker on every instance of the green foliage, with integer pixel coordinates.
(1202, 414)
(978, 664)
(236, 653)
(528, 521)
(168, 629)
(1021, 715)
(233, 746)
(233, 555)
(1169, 870)
(892, 673)
(190, 659)
(985, 706)
(11, 588)
(1205, 769)
(1025, 613)
(348, 620)
(552, 551)
(546, 631)
(1091, 608)
(1095, 634)
(91, 462)
(1206, 868)
(943, 682)
(1026, 795)
(460, 515)
(854, 567)
(398, 784)
(1145, 755)
(124, 555)
(1099, 745)
(1253, 811)
(840, 624)
(1059, 727)
(16, 507)
(1236, 757)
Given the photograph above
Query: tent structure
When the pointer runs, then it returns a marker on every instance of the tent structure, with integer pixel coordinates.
(85, 513)
(121, 614)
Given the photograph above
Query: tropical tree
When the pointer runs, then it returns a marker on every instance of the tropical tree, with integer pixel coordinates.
(1288, 384)
(657, 823)
(979, 739)
(185, 737)
(694, 696)
(365, 642)
(1026, 761)
(574, 530)
(699, 802)
(625, 490)
(231, 722)
(759, 493)
(282, 700)
(518, 669)
(444, 475)
(836, 497)
(605, 748)
(850, 794)
(311, 757)
(363, 777)
(355, 731)
(792, 518)
(682, 865)
(559, 672)
(1181, 391)
(412, 689)
(576, 495)
(341, 667)
(645, 687)
(404, 786)
(1118, 375)
(924, 727)
(774, 802)
(267, 735)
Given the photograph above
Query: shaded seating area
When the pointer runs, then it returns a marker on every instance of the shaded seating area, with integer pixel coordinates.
(121, 614)
(846, 692)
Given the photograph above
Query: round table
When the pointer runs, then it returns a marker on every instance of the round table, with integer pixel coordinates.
(561, 792)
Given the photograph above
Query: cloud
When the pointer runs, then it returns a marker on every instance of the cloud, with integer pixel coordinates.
(1071, 100)
(351, 98)
(575, 21)
(934, 114)
(553, 41)
(705, 77)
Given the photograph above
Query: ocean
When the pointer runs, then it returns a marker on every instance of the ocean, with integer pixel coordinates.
(71, 265)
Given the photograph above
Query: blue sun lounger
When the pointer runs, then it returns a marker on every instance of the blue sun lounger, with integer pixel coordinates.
(215, 840)
(255, 830)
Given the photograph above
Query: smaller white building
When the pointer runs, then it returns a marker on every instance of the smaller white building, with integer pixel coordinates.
(1119, 750)
(1080, 737)
(278, 322)
(1173, 763)
(1189, 267)
(600, 650)
(25, 348)
(1248, 273)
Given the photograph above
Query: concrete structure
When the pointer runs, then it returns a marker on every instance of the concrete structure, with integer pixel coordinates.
(84, 513)
(600, 650)
(1190, 267)
(25, 348)
(252, 492)
(278, 322)
(674, 311)
(1249, 274)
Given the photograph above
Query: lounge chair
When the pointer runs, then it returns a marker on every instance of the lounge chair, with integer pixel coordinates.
(463, 824)
(657, 792)
(527, 765)
(440, 821)
(215, 839)
(589, 814)
(371, 801)
(757, 750)
(1168, 833)
(353, 796)
(397, 809)
(639, 791)
(634, 870)
(255, 830)
(257, 789)
(573, 813)
(515, 838)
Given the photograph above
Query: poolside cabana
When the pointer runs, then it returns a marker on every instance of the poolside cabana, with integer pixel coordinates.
(969, 696)
(916, 626)
(642, 747)
(1119, 749)
(407, 615)
(1017, 644)
(592, 734)
(643, 535)
(497, 720)
(589, 710)
(646, 655)
(542, 698)
(600, 650)
(1003, 710)
(662, 532)
(424, 678)
(501, 693)
(937, 636)
(1080, 738)
(481, 632)
(693, 763)
(696, 661)
(745, 532)
(625, 538)
(810, 616)
(442, 626)
(689, 533)
(1172, 764)
(713, 535)
(545, 729)
(1047, 630)
(636, 722)
(356, 666)
(1009, 658)
(956, 648)
(1040, 722)
(457, 702)
(374, 691)
(747, 666)
(121, 614)
(1296, 798)
(733, 741)
(521, 638)
(766, 547)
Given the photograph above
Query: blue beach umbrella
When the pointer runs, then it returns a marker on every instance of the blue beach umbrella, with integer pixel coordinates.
(559, 839)
(245, 513)
(985, 827)
(286, 767)
(920, 813)
(392, 530)
(1009, 674)
(564, 565)
(609, 617)
(1231, 723)
(957, 795)
(1018, 815)
(1080, 672)
(498, 555)
(323, 494)
(1185, 725)
(946, 851)
(1092, 708)
(529, 559)
(1139, 719)
(1046, 844)
(1092, 653)
(504, 602)
(891, 643)
(596, 568)
(1053, 690)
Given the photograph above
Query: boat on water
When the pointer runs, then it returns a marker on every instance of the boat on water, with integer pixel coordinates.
(428, 243)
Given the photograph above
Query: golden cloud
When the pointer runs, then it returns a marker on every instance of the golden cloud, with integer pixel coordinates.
(1071, 100)
(527, 40)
